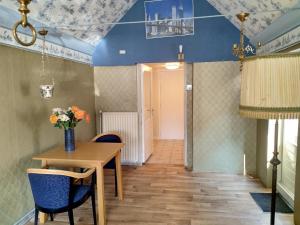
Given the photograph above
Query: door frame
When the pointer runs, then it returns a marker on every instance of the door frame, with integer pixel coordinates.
(140, 107)
(188, 113)
(288, 196)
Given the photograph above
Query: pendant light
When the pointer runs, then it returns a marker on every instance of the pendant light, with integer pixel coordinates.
(47, 84)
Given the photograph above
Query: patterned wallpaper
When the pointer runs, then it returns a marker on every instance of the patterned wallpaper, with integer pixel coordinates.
(258, 21)
(26, 127)
(73, 14)
(115, 89)
(221, 136)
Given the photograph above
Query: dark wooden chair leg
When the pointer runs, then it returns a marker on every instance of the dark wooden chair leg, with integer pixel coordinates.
(51, 217)
(36, 216)
(94, 206)
(81, 171)
(71, 216)
(116, 183)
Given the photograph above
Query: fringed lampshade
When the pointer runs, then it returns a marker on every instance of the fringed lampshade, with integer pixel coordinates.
(270, 87)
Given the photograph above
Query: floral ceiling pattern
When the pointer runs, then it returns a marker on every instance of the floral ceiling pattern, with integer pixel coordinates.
(87, 20)
(90, 20)
(263, 12)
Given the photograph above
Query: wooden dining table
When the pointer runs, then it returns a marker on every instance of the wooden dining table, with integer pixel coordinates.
(87, 155)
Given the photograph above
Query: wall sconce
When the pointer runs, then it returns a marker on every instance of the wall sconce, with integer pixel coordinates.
(180, 54)
(24, 23)
(239, 50)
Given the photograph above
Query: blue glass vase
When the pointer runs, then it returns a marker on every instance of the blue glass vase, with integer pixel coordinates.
(69, 140)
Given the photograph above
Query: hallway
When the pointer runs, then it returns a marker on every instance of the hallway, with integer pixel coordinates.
(167, 152)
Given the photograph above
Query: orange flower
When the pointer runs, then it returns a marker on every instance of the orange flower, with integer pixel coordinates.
(74, 108)
(87, 118)
(53, 119)
(79, 115)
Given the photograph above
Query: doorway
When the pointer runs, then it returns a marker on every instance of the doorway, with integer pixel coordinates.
(162, 104)
(288, 145)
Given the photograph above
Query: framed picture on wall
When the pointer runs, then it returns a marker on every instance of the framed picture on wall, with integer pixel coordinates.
(169, 18)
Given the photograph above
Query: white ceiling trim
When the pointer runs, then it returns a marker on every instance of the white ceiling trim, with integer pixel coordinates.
(52, 49)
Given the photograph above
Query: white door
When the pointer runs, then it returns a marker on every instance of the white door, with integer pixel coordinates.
(147, 112)
(172, 104)
(288, 153)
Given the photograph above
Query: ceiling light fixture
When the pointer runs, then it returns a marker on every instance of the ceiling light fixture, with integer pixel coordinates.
(24, 23)
(172, 66)
(239, 50)
(46, 88)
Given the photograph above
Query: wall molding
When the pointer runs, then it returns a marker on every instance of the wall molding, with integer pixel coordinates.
(282, 42)
(25, 219)
(6, 38)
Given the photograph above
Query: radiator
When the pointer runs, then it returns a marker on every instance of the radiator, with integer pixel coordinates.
(126, 123)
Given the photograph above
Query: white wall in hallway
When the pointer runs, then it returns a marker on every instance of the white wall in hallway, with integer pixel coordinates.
(168, 104)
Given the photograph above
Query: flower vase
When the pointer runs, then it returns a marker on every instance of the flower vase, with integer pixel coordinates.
(69, 140)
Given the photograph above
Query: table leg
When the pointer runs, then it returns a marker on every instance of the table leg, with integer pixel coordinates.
(43, 216)
(100, 196)
(119, 175)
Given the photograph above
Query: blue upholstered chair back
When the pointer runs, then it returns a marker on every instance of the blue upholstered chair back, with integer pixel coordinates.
(50, 191)
(109, 138)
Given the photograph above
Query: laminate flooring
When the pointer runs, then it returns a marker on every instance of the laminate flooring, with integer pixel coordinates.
(169, 195)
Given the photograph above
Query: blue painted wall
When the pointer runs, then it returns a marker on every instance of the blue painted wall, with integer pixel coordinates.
(212, 41)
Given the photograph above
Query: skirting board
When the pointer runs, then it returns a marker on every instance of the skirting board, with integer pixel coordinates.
(25, 219)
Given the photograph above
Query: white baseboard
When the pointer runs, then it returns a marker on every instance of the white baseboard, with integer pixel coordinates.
(287, 196)
(25, 219)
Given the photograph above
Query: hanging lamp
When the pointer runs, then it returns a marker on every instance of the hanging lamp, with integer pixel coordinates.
(47, 83)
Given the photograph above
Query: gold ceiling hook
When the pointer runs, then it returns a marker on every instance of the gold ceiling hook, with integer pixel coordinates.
(23, 9)
(242, 16)
(43, 32)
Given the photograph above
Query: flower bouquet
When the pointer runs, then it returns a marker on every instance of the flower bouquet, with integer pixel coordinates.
(68, 120)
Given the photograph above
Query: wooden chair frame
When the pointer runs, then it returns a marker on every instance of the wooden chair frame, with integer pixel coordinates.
(104, 134)
(74, 176)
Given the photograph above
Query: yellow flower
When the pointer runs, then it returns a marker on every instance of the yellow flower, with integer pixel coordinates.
(79, 115)
(74, 109)
(53, 119)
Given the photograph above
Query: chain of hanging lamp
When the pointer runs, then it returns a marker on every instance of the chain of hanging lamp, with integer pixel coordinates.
(45, 88)
(43, 33)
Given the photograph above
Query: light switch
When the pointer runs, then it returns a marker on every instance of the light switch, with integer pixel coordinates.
(122, 52)
(189, 87)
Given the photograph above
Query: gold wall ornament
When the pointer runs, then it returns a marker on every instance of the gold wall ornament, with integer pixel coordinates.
(46, 89)
(239, 50)
(23, 9)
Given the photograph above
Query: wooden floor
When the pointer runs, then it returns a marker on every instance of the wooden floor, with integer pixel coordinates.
(169, 195)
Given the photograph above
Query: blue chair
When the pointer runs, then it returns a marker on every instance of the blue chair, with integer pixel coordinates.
(55, 191)
(111, 137)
